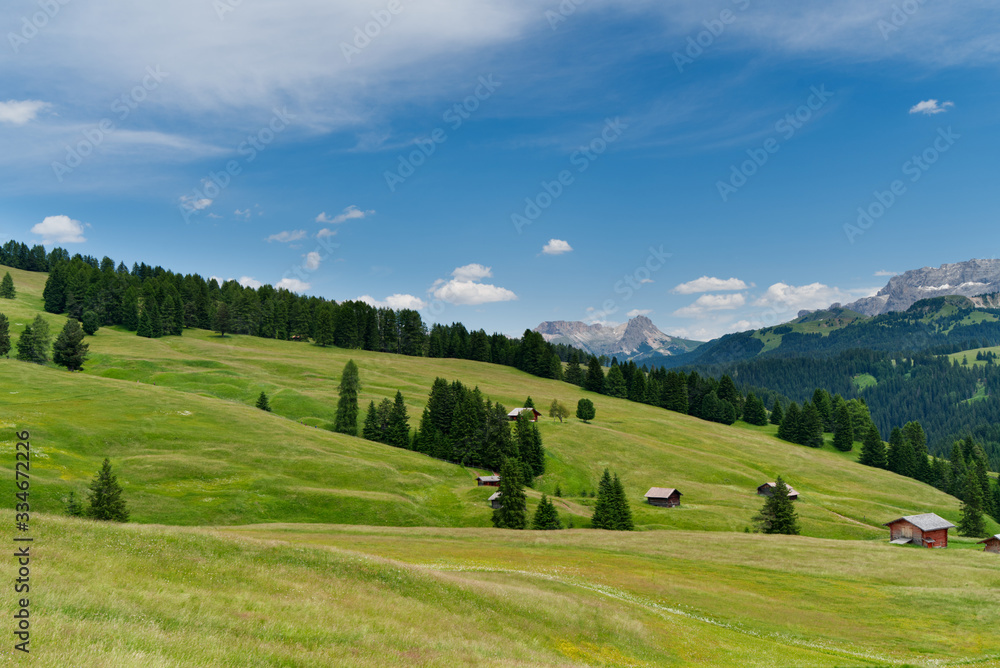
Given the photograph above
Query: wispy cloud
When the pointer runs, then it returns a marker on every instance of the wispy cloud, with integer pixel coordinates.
(930, 107)
(638, 311)
(883, 272)
(709, 284)
(350, 213)
(287, 236)
(248, 282)
(312, 261)
(708, 303)
(395, 302)
(292, 285)
(20, 112)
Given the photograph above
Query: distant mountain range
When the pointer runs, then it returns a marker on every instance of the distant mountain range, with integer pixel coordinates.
(634, 340)
(968, 279)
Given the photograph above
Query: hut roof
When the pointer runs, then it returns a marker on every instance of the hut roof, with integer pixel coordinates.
(791, 490)
(517, 411)
(495, 496)
(489, 478)
(925, 522)
(661, 492)
(986, 540)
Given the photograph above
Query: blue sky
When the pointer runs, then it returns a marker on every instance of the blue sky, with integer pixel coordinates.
(505, 163)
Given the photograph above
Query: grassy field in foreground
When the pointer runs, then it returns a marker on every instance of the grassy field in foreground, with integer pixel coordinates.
(176, 417)
(153, 596)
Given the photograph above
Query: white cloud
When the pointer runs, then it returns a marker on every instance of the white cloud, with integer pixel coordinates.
(395, 302)
(325, 232)
(245, 213)
(465, 288)
(708, 303)
(292, 285)
(20, 112)
(350, 213)
(287, 236)
(709, 284)
(883, 272)
(313, 260)
(930, 107)
(472, 272)
(637, 311)
(784, 298)
(248, 282)
(556, 247)
(59, 230)
(192, 204)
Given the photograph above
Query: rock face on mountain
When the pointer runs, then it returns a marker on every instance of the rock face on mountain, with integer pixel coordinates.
(637, 337)
(975, 277)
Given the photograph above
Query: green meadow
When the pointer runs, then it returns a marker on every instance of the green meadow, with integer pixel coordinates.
(264, 539)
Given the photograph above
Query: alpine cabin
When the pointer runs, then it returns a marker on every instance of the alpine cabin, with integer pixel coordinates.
(927, 530)
(664, 497)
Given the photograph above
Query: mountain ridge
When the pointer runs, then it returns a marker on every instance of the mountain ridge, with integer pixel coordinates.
(631, 340)
(970, 278)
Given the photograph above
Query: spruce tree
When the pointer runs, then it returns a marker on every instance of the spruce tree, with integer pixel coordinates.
(811, 427)
(26, 345)
(777, 414)
(790, 426)
(546, 516)
(873, 449)
(843, 432)
(972, 522)
(69, 350)
(574, 374)
(528, 403)
(614, 383)
(73, 506)
(371, 430)
(398, 431)
(585, 410)
(42, 339)
(263, 403)
(604, 510)
(778, 515)
(900, 456)
(145, 328)
(622, 511)
(754, 411)
(727, 392)
(513, 512)
(821, 400)
(346, 420)
(106, 502)
(595, 376)
(4, 336)
(91, 323)
(220, 323)
(675, 393)
(7, 290)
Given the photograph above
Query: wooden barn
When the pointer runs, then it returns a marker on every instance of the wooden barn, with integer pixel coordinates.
(927, 530)
(514, 414)
(488, 481)
(495, 501)
(992, 544)
(665, 497)
(767, 489)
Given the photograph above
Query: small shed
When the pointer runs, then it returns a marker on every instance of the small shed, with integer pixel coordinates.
(516, 413)
(665, 497)
(927, 530)
(495, 501)
(992, 544)
(488, 481)
(767, 489)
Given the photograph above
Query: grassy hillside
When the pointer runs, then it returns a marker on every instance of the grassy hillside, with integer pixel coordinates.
(176, 417)
(134, 595)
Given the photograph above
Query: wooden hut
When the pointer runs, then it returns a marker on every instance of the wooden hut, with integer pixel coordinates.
(665, 497)
(488, 481)
(767, 489)
(516, 413)
(495, 501)
(992, 544)
(927, 530)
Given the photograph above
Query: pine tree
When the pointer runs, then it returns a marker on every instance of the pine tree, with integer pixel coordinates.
(145, 328)
(346, 420)
(398, 432)
(811, 427)
(263, 403)
(91, 323)
(42, 339)
(69, 350)
(106, 502)
(585, 410)
(220, 323)
(513, 512)
(843, 432)
(26, 345)
(675, 393)
(873, 449)
(622, 511)
(546, 516)
(130, 310)
(528, 403)
(574, 374)
(821, 400)
(972, 522)
(4, 336)
(754, 411)
(371, 430)
(73, 506)
(900, 456)
(595, 376)
(7, 290)
(727, 392)
(777, 414)
(614, 383)
(778, 515)
(790, 426)
(604, 509)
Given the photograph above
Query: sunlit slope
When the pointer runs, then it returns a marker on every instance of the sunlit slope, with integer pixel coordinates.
(229, 463)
